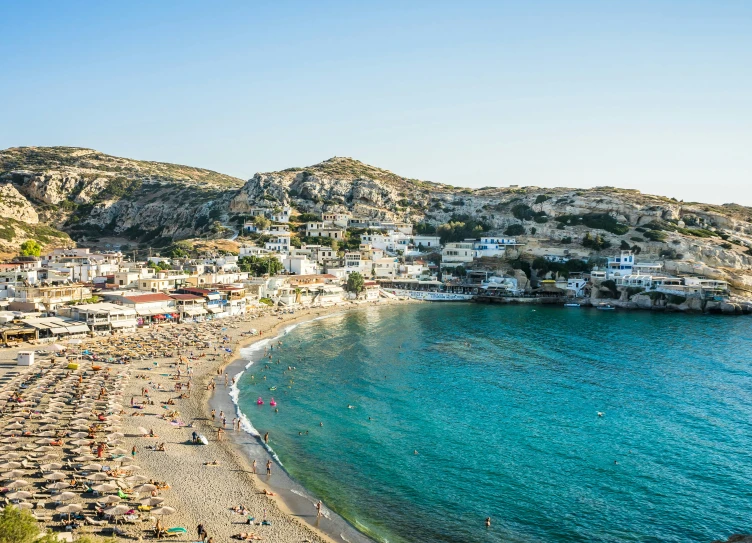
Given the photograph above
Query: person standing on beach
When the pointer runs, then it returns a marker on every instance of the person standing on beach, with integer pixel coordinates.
(133, 452)
(318, 508)
(214, 412)
(266, 438)
(253, 466)
(268, 467)
(219, 434)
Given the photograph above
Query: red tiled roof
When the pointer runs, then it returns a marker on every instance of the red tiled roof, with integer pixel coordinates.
(147, 298)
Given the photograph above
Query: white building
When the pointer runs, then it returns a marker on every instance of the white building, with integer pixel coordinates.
(300, 265)
(620, 265)
(426, 242)
(458, 253)
(337, 219)
(280, 243)
(324, 230)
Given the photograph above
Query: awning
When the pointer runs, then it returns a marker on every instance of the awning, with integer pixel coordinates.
(195, 312)
(77, 329)
(146, 312)
(128, 323)
(213, 296)
(214, 309)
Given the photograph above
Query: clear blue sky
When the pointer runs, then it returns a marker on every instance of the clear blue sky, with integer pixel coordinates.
(649, 95)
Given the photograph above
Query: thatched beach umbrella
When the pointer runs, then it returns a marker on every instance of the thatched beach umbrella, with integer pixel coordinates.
(151, 501)
(92, 467)
(51, 467)
(55, 476)
(161, 511)
(60, 485)
(18, 483)
(65, 497)
(14, 474)
(70, 508)
(19, 495)
(24, 505)
(136, 479)
(145, 488)
(111, 500)
(97, 477)
(117, 510)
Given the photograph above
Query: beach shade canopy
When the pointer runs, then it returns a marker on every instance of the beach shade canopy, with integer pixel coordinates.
(136, 479)
(132, 467)
(151, 501)
(105, 487)
(9, 456)
(10, 465)
(92, 467)
(79, 435)
(164, 510)
(14, 426)
(118, 450)
(48, 433)
(85, 458)
(65, 497)
(55, 476)
(51, 467)
(19, 495)
(58, 485)
(55, 347)
(97, 477)
(47, 457)
(141, 430)
(145, 488)
(109, 499)
(44, 448)
(80, 442)
(18, 483)
(15, 474)
(25, 505)
(117, 510)
(69, 508)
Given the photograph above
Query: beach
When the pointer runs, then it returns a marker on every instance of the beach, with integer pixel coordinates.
(203, 482)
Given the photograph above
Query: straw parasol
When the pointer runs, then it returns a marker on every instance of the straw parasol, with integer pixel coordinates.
(136, 479)
(55, 476)
(18, 483)
(65, 497)
(58, 485)
(151, 501)
(117, 510)
(15, 474)
(92, 467)
(69, 508)
(110, 499)
(97, 477)
(19, 495)
(25, 505)
(145, 488)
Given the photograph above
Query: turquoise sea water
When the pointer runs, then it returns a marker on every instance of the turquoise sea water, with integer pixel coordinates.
(501, 404)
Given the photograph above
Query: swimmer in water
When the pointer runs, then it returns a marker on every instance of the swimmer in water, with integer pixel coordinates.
(321, 424)
(351, 407)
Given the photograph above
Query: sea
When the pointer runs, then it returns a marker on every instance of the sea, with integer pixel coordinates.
(417, 423)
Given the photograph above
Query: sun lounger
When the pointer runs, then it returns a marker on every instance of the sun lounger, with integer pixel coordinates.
(176, 531)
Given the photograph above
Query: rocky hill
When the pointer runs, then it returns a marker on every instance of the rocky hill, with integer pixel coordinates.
(92, 196)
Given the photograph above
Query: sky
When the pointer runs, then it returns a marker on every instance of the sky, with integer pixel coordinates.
(651, 95)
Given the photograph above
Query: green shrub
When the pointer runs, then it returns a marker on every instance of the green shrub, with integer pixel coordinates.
(514, 230)
(726, 245)
(610, 284)
(266, 301)
(624, 246)
(637, 238)
(541, 198)
(655, 235)
(566, 239)
(523, 212)
(674, 299)
(597, 221)
(541, 219)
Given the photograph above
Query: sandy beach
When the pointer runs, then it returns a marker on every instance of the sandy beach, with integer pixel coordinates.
(167, 391)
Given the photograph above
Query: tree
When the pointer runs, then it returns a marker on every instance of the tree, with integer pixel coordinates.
(624, 246)
(355, 283)
(17, 526)
(260, 265)
(31, 247)
(261, 222)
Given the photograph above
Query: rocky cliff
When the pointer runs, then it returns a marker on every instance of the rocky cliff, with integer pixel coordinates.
(94, 197)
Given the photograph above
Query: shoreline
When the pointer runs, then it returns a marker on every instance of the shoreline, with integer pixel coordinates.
(291, 497)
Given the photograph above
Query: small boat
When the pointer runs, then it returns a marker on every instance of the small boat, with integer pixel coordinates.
(273, 403)
(259, 401)
(606, 307)
(272, 388)
(572, 305)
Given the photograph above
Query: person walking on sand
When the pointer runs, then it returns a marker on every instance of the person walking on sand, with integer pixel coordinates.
(253, 466)
(219, 434)
(214, 412)
(199, 530)
(133, 452)
(268, 467)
